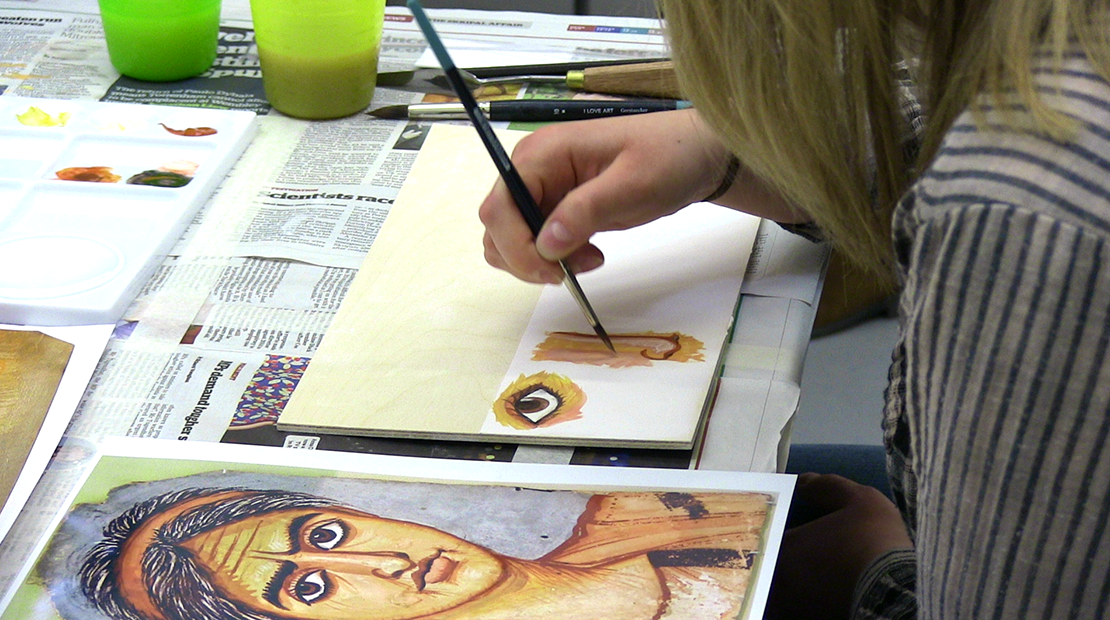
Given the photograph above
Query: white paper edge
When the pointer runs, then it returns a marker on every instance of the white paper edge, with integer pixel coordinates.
(88, 345)
(55, 521)
(785, 266)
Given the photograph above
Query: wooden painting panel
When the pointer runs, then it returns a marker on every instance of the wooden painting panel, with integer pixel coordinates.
(430, 339)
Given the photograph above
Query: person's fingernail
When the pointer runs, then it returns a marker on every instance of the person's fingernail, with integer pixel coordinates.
(553, 239)
(560, 232)
(587, 263)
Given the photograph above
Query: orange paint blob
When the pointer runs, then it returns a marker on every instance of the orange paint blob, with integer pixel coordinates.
(91, 174)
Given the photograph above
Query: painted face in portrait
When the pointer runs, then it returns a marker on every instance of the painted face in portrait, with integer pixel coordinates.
(338, 563)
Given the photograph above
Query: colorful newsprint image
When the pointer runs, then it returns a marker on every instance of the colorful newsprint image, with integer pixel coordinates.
(173, 531)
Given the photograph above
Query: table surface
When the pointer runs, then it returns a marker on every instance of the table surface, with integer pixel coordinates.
(231, 297)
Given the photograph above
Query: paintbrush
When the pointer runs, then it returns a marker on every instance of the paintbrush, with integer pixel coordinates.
(638, 79)
(530, 110)
(393, 78)
(509, 174)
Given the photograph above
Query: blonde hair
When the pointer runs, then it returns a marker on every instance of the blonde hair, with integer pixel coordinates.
(806, 94)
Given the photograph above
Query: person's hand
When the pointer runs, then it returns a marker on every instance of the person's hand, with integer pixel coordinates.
(821, 561)
(590, 176)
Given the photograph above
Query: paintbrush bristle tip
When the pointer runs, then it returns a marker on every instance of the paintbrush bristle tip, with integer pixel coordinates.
(392, 112)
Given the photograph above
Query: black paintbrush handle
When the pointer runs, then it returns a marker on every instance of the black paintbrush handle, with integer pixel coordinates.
(517, 188)
(539, 111)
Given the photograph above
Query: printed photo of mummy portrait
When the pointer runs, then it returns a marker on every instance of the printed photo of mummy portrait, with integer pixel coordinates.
(639, 349)
(230, 545)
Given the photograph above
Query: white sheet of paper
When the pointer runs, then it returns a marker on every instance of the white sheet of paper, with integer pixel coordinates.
(651, 283)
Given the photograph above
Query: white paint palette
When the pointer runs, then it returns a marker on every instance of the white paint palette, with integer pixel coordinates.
(93, 195)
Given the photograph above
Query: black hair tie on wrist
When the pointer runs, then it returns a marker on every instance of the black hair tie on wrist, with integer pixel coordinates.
(727, 181)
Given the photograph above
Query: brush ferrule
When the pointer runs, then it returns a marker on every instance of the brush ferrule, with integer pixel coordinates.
(576, 80)
(443, 111)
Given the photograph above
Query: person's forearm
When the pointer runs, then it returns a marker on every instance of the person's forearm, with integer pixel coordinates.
(742, 189)
(750, 194)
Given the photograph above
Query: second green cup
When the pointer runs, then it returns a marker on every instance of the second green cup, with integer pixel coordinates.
(319, 57)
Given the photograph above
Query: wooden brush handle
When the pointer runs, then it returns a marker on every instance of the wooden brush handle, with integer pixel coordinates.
(647, 79)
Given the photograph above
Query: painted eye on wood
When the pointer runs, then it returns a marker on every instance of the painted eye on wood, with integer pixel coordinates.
(539, 400)
(537, 404)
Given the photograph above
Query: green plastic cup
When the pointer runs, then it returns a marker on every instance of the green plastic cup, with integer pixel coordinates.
(319, 57)
(161, 40)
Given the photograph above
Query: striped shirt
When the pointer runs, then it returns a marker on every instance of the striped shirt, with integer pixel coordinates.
(997, 421)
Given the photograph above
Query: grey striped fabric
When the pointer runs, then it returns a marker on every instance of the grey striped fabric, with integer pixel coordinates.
(998, 409)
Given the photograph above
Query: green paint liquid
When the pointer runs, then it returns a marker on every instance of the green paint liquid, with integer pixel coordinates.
(158, 47)
(319, 87)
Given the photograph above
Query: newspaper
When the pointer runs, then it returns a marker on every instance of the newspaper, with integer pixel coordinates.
(214, 345)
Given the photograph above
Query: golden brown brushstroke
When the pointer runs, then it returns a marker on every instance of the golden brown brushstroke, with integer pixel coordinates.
(91, 174)
(636, 349)
(539, 400)
(191, 132)
(31, 366)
